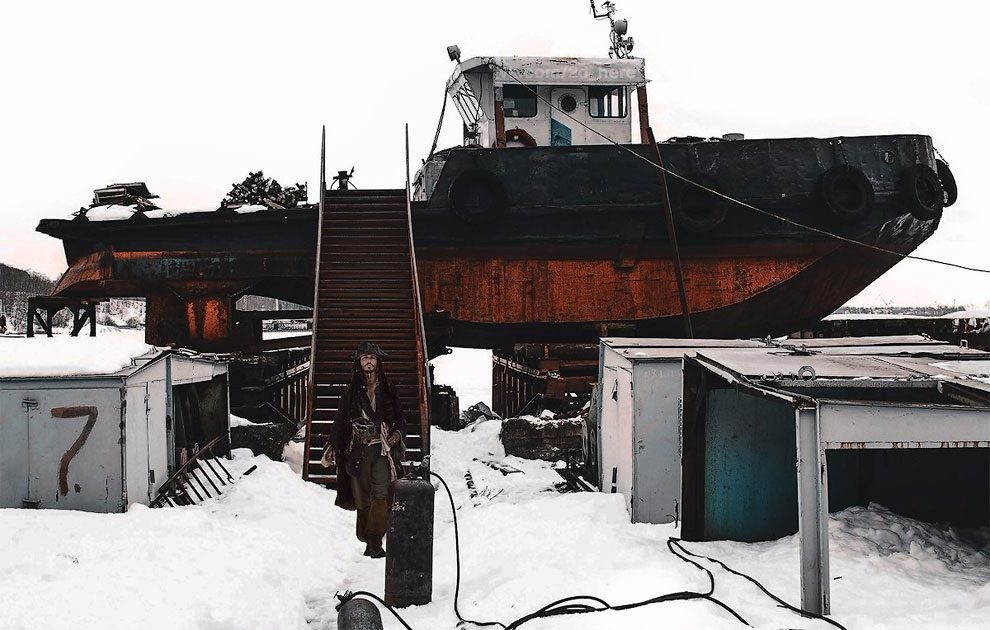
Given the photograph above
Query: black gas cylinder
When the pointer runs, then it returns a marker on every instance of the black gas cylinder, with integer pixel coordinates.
(358, 614)
(409, 543)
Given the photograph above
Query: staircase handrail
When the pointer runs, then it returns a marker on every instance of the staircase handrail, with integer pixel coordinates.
(311, 379)
(182, 470)
(423, 355)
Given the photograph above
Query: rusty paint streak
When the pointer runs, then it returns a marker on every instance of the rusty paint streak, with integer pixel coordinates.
(71, 413)
(208, 318)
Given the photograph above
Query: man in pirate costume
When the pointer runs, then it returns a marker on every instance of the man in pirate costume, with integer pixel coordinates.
(367, 446)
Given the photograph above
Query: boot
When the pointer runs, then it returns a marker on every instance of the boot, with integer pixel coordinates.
(362, 525)
(375, 529)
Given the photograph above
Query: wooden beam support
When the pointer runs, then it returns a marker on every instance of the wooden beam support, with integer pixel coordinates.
(644, 114)
(499, 124)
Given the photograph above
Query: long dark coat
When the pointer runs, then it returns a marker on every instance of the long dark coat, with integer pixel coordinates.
(354, 399)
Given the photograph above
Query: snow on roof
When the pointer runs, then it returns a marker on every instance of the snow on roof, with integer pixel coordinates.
(109, 213)
(107, 353)
(120, 213)
(163, 214)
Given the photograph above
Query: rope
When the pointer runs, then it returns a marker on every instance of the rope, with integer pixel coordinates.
(493, 63)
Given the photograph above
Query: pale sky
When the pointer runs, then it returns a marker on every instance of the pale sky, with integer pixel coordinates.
(190, 96)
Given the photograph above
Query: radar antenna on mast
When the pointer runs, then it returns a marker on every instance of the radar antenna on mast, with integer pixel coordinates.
(622, 45)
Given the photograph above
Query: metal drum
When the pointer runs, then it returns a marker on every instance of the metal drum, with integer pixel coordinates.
(409, 545)
(358, 614)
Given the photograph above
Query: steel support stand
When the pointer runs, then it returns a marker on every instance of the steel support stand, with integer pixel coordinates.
(812, 513)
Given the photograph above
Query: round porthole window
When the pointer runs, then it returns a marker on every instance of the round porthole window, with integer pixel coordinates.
(568, 103)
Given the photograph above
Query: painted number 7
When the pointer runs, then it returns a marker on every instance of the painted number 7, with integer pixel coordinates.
(67, 413)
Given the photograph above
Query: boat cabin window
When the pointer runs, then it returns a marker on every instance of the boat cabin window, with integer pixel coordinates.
(519, 101)
(607, 102)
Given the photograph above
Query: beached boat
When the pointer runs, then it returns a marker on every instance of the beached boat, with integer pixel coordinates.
(549, 223)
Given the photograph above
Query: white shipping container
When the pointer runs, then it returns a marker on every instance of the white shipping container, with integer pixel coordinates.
(639, 421)
(102, 442)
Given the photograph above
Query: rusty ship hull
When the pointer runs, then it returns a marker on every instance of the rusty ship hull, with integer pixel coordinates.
(549, 244)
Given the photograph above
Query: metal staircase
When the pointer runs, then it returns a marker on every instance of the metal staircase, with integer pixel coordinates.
(365, 290)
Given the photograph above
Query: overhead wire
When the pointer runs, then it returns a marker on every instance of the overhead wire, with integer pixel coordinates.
(493, 63)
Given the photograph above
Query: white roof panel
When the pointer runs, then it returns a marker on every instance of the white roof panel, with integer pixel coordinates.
(562, 70)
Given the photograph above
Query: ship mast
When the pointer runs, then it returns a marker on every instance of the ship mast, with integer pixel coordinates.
(622, 45)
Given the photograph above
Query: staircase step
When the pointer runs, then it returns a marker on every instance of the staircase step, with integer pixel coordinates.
(366, 196)
(357, 255)
(366, 218)
(359, 324)
(369, 302)
(405, 348)
(332, 210)
(388, 266)
(333, 249)
(335, 311)
(361, 236)
(359, 192)
(356, 287)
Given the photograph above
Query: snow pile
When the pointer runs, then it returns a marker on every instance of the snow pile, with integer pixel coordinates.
(918, 546)
(61, 355)
(120, 213)
(109, 213)
(293, 454)
(249, 208)
(237, 421)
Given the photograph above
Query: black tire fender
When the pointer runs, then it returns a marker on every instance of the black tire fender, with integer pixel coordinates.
(948, 181)
(695, 209)
(846, 193)
(477, 195)
(923, 192)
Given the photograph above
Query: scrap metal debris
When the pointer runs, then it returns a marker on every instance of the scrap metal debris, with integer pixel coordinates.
(502, 467)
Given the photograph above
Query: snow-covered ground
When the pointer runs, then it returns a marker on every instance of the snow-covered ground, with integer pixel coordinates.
(271, 553)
